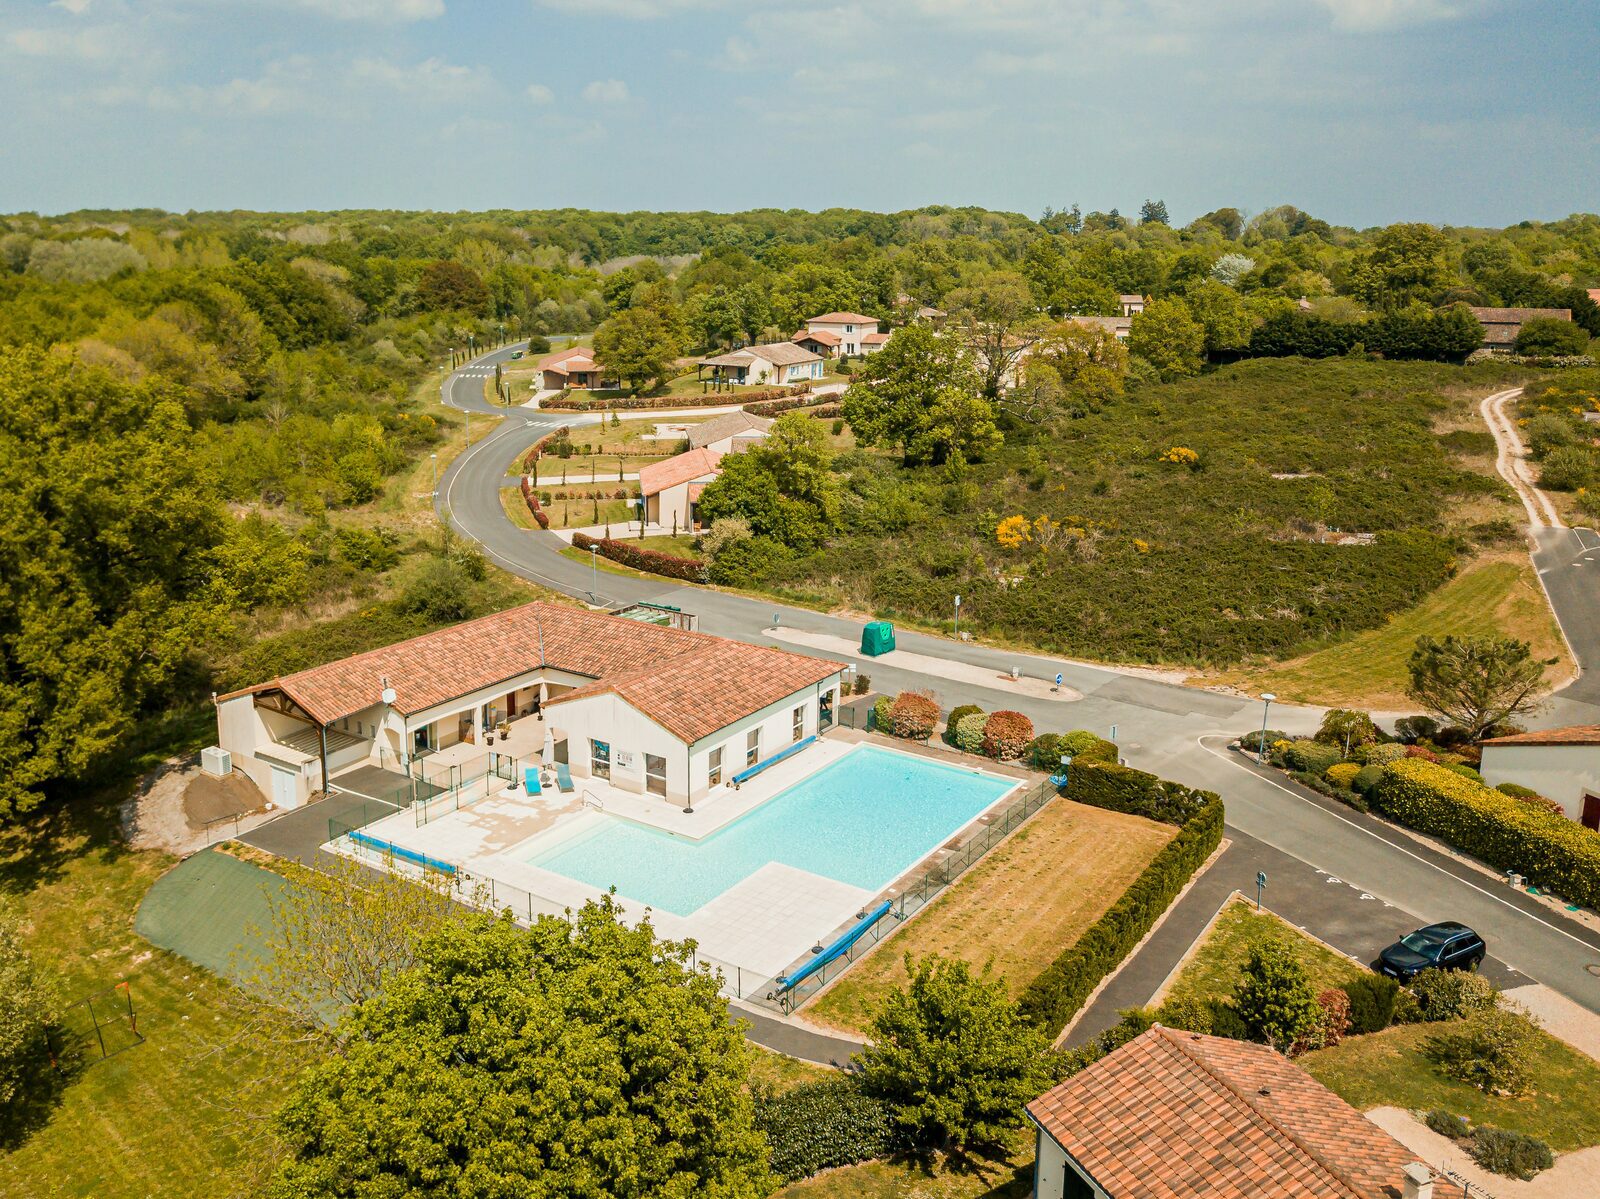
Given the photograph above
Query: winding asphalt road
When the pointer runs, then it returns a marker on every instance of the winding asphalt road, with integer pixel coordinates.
(1340, 864)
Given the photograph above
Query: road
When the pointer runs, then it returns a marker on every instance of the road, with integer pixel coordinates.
(1174, 731)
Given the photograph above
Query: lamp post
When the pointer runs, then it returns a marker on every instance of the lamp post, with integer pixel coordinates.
(433, 462)
(958, 618)
(1266, 706)
(594, 573)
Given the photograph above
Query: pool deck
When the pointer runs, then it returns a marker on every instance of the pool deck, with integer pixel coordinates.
(757, 929)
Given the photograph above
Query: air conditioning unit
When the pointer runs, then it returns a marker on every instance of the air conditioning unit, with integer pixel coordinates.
(216, 760)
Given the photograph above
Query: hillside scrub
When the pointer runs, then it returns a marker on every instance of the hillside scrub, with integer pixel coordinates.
(1128, 557)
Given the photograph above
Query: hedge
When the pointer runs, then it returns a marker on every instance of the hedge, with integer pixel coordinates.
(817, 1125)
(1550, 851)
(1312, 756)
(690, 570)
(651, 403)
(954, 719)
(1058, 993)
(536, 450)
(533, 504)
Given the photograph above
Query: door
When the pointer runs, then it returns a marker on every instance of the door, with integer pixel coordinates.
(600, 759)
(422, 739)
(284, 792)
(655, 774)
(1591, 812)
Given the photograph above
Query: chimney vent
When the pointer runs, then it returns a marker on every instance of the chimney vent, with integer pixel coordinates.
(1417, 1182)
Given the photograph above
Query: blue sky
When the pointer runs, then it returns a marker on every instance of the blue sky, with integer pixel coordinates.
(1360, 111)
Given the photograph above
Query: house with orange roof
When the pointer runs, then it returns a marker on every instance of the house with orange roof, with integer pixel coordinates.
(653, 709)
(671, 488)
(573, 368)
(822, 343)
(852, 329)
(772, 364)
(1178, 1115)
(1560, 764)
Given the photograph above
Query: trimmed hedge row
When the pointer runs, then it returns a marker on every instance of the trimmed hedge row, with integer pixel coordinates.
(781, 399)
(536, 450)
(818, 1125)
(533, 504)
(1550, 851)
(650, 403)
(1061, 990)
(689, 570)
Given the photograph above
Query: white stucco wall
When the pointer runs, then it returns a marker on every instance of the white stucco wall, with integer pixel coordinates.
(1559, 772)
(849, 342)
(1050, 1171)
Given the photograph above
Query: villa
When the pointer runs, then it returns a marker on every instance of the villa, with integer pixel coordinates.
(822, 343)
(1132, 305)
(574, 369)
(652, 710)
(1562, 765)
(857, 334)
(729, 434)
(1118, 326)
(779, 363)
(672, 488)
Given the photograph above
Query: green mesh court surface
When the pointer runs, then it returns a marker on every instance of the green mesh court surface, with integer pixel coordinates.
(201, 908)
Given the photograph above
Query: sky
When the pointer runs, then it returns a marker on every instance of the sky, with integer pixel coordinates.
(1361, 112)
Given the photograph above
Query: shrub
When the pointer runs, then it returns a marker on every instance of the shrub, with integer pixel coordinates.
(1512, 1154)
(690, 570)
(880, 714)
(1060, 990)
(1452, 994)
(955, 717)
(1569, 468)
(26, 1001)
(969, 733)
(1465, 771)
(1411, 729)
(1275, 999)
(1365, 780)
(1342, 774)
(1554, 853)
(1006, 735)
(1311, 756)
(1447, 1125)
(863, 683)
(1492, 1051)
(533, 504)
(1380, 755)
(1226, 1021)
(749, 560)
(1191, 1015)
(1252, 740)
(1084, 746)
(1333, 1022)
(913, 715)
(817, 1125)
(1342, 726)
(1372, 1003)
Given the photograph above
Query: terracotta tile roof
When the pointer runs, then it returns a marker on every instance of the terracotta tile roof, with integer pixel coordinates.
(732, 358)
(697, 694)
(822, 337)
(783, 353)
(656, 477)
(722, 427)
(842, 318)
(1176, 1115)
(1111, 324)
(438, 667)
(1132, 299)
(1501, 325)
(572, 354)
(1572, 734)
(874, 339)
(1594, 294)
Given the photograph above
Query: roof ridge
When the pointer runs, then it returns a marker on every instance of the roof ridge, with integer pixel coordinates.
(1171, 1037)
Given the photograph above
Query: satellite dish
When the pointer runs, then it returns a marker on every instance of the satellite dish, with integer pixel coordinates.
(389, 695)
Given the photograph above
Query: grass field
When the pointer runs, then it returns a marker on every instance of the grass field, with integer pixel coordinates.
(1497, 595)
(1019, 907)
(1215, 969)
(1390, 1069)
(182, 1114)
(1008, 1176)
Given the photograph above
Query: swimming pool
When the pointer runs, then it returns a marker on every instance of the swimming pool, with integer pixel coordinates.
(863, 820)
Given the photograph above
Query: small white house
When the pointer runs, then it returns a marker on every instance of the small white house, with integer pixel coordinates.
(1560, 764)
(851, 328)
(729, 434)
(1132, 305)
(672, 488)
(776, 364)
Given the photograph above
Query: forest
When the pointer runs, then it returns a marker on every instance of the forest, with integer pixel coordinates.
(207, 422)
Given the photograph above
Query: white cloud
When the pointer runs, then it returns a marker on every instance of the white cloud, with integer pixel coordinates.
(97, 42)
(639, 10)
(76, 7)
(432, 78)
(397, 11)
(606, 91)
(1372, 16)
(540, 94)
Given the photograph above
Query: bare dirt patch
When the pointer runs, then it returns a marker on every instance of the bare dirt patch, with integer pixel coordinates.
(174, 803)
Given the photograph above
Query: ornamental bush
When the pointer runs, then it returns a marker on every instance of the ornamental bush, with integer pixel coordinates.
(533, 504)
(690, 570)
(1275, 999)
(818, 1125)
(1342, 774)
(1452, 994)
(955, 718)
(1447, 1125)
(1006, 735)
(1373, 998)
(1084, 746)
(1492, 1051)
(913, 715)
(881, 720)
(1314, 757)
(1346, 725)
(1366, 779)
(969, 732)
(1554, 853)
(1380, 755)
(1513, 1154)
(1333, 1022)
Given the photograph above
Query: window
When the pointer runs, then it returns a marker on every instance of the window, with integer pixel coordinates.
(714, 768)
(825, 710)
(849, 328)
(800, 722)
(655, 774)
(752, 747)
(600, 759)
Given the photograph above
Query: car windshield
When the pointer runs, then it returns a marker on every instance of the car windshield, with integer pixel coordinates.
(1419, 943)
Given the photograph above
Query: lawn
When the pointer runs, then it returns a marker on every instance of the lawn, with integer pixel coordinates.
(1214, 970)
(1389, 1069)
(1009, 1176)
(1496, 595)
(1019, 907)
(780, 1072)
(181, 1114)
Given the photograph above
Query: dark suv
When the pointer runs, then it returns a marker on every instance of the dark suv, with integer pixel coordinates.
(1447, 946)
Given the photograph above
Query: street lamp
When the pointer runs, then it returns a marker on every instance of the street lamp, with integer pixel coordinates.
(433, 460)
(594, 573)
(1266, 706)
(958, 618)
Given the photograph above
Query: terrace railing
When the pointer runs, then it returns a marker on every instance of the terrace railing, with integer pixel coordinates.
(914, 896)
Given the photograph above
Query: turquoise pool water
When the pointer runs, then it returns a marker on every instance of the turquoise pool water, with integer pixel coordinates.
(864, 820)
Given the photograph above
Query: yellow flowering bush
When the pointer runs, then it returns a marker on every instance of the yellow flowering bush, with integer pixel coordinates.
(1180, 455)
(1013, 532)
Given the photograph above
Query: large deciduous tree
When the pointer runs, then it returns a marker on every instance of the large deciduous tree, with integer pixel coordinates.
(1089, 361)
(637, 345)
(110, 524)
(999, 321)
(892, 398)
(573, 1058)
(952, 1057)
(1167, 337)
(447, 286)
(1476, 682)
(1405, 262)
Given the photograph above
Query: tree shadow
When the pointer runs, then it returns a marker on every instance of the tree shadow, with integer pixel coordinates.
(45, 1080)
(998, 1170)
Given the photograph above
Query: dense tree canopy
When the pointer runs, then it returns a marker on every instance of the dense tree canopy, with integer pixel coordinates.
(893, 398)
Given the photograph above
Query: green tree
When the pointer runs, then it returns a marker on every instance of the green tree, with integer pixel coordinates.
(1476, 682)
(952, 1057)
(999, 321)
(1405, 262)
(1222, 312)
(26, 1001)
(1167, 337)
(1545, 336)
(1088, 360)
(1347, 728)
(637, 345)
(572, 1058)
(783, 487)
(1275, 999)
(891, 396)
(446, 286)
(109, 556)
(1154, 212)
(960, 427)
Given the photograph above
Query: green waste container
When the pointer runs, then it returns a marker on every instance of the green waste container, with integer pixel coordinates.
(877, 638)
